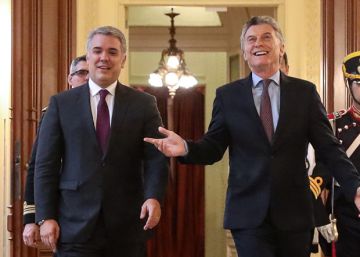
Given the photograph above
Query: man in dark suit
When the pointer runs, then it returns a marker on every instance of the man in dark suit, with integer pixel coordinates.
(109, 179)
(78, 75)
(268, 204)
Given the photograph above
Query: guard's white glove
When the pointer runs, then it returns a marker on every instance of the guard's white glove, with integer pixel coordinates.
(327, 232)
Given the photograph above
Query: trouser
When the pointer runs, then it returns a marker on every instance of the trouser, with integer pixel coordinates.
(102, 245)
(268, 241)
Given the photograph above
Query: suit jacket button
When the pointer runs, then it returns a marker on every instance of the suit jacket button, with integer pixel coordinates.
(103, 164)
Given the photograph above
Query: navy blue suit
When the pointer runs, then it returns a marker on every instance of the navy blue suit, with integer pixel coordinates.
(268, 182)
(113, 185)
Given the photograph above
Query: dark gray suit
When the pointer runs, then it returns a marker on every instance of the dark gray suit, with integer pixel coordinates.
(113, 185)
(269, 181)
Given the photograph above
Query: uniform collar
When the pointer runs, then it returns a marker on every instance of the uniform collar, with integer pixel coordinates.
(355, 113)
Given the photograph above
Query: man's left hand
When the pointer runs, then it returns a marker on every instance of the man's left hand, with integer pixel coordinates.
(49, 232)
(151, 207)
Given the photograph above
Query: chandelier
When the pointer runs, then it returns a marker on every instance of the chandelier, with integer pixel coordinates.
(172, 71)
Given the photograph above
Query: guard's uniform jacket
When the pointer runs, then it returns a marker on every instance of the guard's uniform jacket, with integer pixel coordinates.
(29, 203)
(347, 129)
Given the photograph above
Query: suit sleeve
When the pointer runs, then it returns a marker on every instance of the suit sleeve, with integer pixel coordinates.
(48, 163)
(214, 143)
(29, 203)
(155, 163)
(328, 149)
(320, 180)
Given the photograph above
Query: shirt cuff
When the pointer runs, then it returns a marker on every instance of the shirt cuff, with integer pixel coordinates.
(186, 148)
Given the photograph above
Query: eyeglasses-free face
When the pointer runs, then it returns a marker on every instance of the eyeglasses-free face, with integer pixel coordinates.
(105, 59)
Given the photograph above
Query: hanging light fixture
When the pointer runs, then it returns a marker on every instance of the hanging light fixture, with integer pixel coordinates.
(172, 71)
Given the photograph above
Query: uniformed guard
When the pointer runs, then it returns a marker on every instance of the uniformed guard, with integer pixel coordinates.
(31, 234)
(345, 215)
(78, 75)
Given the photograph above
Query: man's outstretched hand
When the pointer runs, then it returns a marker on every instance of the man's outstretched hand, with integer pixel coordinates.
(171, 146)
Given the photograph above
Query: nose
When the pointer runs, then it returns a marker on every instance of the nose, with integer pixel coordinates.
(258, 41)
(104, 56)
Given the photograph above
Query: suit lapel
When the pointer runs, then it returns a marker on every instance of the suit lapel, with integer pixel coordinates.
(284, 105)
(250, 104)
(121, 104)
(84, 103)
(252, 109)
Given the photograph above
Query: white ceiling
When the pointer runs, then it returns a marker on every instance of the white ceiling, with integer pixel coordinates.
(197, 28)
(189, 16)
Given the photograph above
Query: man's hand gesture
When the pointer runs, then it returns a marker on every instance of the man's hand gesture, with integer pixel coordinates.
(171, 146)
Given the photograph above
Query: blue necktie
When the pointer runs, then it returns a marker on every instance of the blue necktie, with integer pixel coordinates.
(103, 121)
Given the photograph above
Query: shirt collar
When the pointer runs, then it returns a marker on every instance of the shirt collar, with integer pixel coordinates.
(94, 88)
(256, 79)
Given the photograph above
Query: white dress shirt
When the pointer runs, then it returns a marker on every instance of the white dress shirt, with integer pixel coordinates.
(95, 98)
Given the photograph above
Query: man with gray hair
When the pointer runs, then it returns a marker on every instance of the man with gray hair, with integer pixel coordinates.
(108, 191)
(267, 120)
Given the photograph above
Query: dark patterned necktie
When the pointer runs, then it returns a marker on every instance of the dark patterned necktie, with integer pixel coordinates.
(103, 121)
(265, 110)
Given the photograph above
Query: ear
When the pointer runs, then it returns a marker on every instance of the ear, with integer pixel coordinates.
(123, 61)
(69, 79)
(244, 55)
(282, 50)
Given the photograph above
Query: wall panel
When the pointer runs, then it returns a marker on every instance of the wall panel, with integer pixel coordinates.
(43, 45)
(341, 36)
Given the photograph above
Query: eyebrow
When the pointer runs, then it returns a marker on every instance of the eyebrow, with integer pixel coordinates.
(265, 33)
(100, 48)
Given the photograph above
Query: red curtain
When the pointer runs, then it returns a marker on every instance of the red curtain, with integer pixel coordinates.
(180, 232)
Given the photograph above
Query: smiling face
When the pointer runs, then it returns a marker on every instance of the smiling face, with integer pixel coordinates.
(263, 50)
(105, 59)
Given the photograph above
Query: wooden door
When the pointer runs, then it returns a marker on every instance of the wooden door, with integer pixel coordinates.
(341, 36)
(43, 44)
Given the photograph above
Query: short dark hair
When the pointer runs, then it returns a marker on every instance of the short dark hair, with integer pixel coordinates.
(75, 61)
(108, 31)
(258, 20)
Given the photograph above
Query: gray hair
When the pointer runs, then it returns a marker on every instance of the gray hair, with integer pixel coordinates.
(258, 20)
(81, 58)
(108, 31)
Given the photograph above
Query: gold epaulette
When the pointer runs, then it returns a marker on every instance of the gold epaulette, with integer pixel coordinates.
(336, 115)
(28, 208)
(315, 185)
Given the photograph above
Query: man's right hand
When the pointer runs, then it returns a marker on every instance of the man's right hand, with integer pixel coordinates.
(172, 145)
(31, 235)
(49, 233)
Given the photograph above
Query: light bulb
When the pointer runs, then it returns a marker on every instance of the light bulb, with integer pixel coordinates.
(171, 79)
(187, 81)
(173, 62)
(155, 80)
